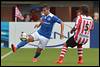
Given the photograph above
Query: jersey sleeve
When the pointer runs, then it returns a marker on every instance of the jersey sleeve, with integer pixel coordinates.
(41, 18)
(56, 19)
(78, 21)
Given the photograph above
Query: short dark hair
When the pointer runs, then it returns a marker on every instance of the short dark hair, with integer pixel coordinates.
(78, 11)
(46, 6)
(84, 9)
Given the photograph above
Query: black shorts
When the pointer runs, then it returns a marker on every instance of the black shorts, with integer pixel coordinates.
(71, 42)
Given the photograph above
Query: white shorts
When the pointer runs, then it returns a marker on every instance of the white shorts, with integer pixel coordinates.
(42, 40)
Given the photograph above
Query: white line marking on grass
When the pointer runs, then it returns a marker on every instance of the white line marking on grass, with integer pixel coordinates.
(7, 54)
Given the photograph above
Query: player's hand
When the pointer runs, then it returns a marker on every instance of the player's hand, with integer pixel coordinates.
(36, 26)
(72, 30)
(61, 36)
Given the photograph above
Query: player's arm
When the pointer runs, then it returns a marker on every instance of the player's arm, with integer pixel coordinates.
(38, 25)
(74, 29)
(77, 24)
(62, 29)
(56, 19)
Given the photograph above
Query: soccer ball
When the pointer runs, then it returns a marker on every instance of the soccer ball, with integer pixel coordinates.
(23, 36)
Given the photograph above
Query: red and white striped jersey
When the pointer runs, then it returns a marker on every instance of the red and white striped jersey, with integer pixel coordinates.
(83, 26)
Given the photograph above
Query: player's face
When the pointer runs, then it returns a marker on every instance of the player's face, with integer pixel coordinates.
(45, 11)
(78, 13)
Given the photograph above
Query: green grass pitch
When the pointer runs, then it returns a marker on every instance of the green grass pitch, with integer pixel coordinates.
(23, 57)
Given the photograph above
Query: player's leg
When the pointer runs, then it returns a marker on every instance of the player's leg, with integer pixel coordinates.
(22, 43)
(37, 54)
(29, 38)
(62, 54)
(69, 43)
(42, 43)
(80, 54)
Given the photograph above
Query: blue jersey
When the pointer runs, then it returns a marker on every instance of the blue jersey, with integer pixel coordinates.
(47, 25)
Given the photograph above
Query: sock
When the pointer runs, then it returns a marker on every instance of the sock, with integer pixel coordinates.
(63, 52)
(22, 43)
(37, 55)
(80, 52)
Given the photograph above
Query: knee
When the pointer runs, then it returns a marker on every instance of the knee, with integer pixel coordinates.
(30, 38)
(65, 44)
(39, 50)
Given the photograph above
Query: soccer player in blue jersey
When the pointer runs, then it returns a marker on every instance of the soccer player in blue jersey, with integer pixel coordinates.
(42, 35)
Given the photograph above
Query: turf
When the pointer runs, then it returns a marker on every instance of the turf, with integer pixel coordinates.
(23, 57)
(4, 51)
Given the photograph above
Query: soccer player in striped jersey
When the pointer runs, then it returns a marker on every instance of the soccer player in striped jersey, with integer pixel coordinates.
(84, 24)
(42, 35)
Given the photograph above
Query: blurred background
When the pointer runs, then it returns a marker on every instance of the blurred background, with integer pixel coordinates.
(66, 10)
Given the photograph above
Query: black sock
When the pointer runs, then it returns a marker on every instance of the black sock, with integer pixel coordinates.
(37, 55)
